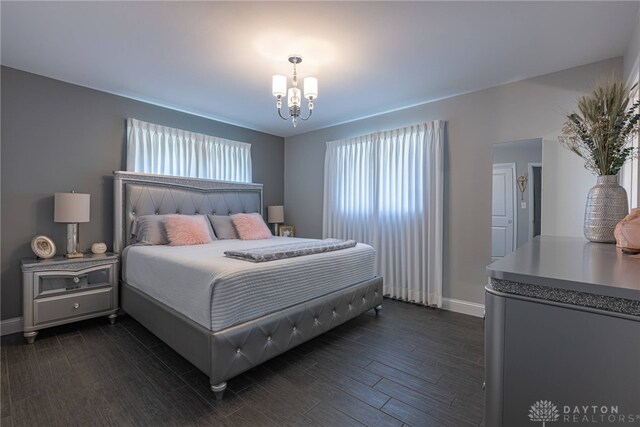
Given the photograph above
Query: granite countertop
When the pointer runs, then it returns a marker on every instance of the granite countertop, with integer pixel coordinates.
(571, 270)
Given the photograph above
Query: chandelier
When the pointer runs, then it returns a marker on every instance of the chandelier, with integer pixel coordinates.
(279, 89)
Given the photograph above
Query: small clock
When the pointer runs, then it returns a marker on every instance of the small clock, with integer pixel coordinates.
(43, 247)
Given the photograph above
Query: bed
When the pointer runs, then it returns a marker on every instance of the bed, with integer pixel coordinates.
(227, 315)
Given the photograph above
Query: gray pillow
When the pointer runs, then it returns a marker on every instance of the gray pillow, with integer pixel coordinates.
(223, 226)
(150, 230)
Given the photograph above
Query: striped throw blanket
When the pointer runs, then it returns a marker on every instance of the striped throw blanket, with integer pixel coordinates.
(290, 250)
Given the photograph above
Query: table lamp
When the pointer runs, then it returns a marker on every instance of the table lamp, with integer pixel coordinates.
(275, 215)
(72, 208)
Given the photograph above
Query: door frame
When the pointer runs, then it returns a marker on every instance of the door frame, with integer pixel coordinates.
(511, 165)
(530, 167)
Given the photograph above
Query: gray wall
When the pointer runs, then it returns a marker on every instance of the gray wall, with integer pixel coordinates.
(521, 153)
(522, 110)
(631, 75)
(632, 55)
(565, 187)
(58, 137)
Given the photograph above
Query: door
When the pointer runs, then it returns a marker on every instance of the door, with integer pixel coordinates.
(503, 234)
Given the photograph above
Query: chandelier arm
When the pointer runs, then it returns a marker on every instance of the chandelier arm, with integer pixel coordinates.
(306, 118)
(283, 117)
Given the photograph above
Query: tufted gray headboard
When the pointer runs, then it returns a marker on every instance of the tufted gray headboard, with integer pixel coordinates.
(138, 194)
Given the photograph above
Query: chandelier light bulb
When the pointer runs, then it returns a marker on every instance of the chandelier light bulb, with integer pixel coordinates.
(279, 86)
(310, 87)
(293, 100)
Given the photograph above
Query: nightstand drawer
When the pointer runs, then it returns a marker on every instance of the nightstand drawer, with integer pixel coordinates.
(56, 283)
(73, 305)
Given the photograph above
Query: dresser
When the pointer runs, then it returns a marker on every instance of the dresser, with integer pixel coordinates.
(60, 290)
(562, 335)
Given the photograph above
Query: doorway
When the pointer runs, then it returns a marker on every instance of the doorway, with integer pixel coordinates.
(504, 235)
(535, 199)
(516, 214)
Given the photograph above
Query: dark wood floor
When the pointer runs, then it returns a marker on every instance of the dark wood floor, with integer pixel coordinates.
(410, 365)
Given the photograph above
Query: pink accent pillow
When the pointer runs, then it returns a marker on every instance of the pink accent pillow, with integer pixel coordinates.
(251, 226)
(627, 232)
(187, 230)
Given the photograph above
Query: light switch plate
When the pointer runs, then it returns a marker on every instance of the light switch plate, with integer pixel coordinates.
(523, 205)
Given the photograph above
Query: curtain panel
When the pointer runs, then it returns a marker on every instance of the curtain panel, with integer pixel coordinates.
(163, 150)
(386, 189)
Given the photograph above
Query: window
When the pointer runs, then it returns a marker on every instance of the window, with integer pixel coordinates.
(163, 150)
(386, 189)
(381, 172)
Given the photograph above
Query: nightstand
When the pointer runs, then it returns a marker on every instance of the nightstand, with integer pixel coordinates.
(60, 290)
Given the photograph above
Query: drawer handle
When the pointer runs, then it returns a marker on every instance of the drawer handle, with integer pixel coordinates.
(76, 305)
(76, 280)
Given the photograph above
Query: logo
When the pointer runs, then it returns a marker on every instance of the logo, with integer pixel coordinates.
(544, 411)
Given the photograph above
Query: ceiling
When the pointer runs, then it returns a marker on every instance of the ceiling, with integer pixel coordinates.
(215, 59)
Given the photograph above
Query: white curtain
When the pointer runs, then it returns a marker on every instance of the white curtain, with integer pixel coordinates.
(386, 189)
(163, 150)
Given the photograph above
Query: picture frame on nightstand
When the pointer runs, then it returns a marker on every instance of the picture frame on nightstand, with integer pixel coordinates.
(287, 231)
(43, 247)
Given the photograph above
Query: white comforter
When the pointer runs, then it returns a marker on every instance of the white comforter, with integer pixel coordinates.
(218, 292)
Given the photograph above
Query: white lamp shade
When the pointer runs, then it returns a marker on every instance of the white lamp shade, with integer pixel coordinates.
(275, 214)
(310, 87)
(279, 85)
(71, 207)
(293, 99)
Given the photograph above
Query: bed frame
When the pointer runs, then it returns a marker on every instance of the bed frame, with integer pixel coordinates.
(226, 353)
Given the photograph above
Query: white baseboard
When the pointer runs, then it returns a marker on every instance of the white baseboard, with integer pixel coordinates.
(10, 326)
(464, 307)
